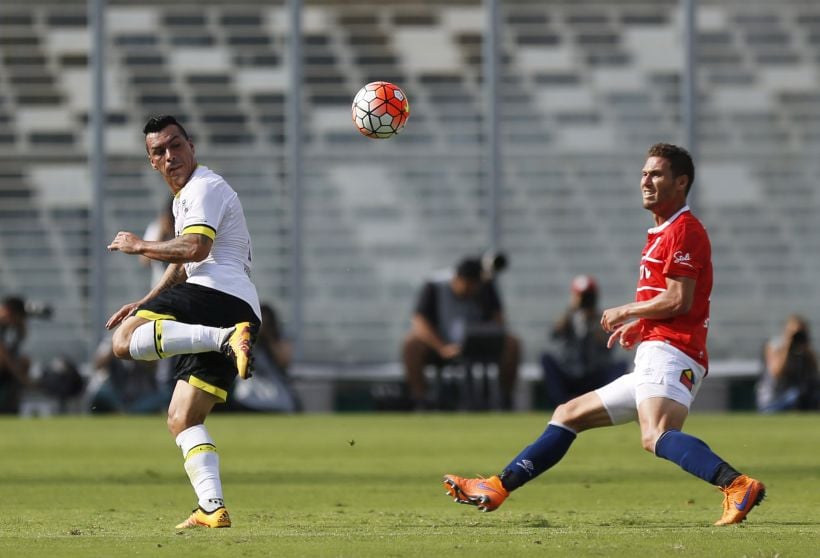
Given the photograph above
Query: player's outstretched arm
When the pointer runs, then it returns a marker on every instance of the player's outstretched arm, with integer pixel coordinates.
(126, 242)
(181, 249)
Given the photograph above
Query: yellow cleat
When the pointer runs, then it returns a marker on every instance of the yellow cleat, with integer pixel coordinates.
(200, 518)
(739, 498)
(486, 494)
(238, 348)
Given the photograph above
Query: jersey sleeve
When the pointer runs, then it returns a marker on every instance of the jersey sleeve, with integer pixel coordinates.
(202, 209)
(689, 252)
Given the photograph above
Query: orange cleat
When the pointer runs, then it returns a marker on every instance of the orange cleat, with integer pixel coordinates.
(238, 346)
(739, 498)
(200, 518)
(486, 494)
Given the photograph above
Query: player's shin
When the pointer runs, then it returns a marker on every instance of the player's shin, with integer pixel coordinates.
(202, 466)
(539, 456)
(695, 457)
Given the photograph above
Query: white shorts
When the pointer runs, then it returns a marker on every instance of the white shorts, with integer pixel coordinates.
(660, 370)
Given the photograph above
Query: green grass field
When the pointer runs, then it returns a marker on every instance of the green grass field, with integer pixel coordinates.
(369, 485)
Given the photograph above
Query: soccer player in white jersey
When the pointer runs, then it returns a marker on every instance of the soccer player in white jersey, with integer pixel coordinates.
(667, 323)
(204, 308)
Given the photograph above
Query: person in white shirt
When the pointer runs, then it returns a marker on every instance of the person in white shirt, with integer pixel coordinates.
(161, 228)
(204, 307)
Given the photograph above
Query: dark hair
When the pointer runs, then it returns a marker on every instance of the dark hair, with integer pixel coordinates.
(800, 337)
(158, 123)
(680, 161)
(589, 299)
(15, 305)
(469, 269)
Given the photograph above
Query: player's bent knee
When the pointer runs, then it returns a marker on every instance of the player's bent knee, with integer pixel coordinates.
(175, 426)
(178, 422)
(121, 344)
(180, 419)
(564, 413)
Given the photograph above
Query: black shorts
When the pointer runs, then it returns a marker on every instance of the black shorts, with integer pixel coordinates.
(194, 304)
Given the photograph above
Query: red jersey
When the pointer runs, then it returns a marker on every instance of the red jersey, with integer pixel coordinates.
(679, 247)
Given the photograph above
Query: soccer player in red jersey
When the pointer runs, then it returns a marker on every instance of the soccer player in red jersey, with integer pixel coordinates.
(667, 322)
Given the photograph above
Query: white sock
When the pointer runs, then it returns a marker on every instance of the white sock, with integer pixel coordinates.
(202, 466)
(164, 338)
(144, 345)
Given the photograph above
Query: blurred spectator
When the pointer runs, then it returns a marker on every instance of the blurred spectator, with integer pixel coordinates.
(161, 228)
(61, 380)
(269, 389)
(14, 366)
(126, 386)
(582, 361)
(790, 378)
(447, 307)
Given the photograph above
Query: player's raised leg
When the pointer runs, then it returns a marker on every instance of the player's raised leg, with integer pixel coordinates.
(155, 337)
(569, 419)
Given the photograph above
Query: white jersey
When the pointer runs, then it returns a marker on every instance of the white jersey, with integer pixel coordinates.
(207, 205)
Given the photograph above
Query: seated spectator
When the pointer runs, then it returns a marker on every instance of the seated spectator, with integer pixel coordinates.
(581, 362)
(270, 388)
(14, 366)
(790, 378)
(61, 381)
(446, 308)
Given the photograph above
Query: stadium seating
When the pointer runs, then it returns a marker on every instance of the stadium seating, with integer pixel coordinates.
(586, 87)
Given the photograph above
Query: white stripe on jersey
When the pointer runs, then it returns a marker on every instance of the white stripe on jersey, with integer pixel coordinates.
(649, 252)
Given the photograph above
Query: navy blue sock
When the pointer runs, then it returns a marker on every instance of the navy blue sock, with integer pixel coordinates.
(539, 456)
(690, 453)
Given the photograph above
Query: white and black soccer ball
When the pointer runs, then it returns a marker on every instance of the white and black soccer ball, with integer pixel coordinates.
(380, 110)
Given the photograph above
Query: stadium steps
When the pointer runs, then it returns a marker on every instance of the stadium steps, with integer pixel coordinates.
(578, 78)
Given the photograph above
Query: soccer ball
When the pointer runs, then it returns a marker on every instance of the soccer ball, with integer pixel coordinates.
(380, 110)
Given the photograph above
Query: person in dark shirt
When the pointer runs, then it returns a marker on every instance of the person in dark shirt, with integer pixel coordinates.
(581, 361)
(14, 366)
(790, 379)
(447, 307)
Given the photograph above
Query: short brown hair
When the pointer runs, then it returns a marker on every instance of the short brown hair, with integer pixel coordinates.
(680, 161)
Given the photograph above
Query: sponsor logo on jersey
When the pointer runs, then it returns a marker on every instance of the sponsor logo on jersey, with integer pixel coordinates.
(683, 259)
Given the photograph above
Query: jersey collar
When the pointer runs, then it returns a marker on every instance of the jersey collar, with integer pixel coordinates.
(662, 226)
(198, 171)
